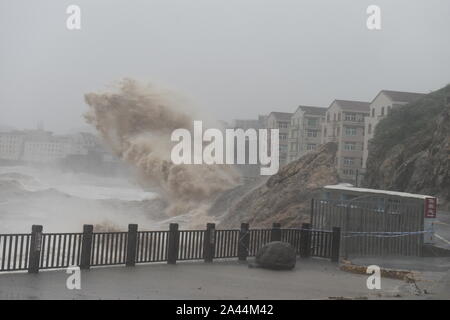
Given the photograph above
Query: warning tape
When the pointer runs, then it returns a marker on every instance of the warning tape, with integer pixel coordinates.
(349, 234)
(380, 234)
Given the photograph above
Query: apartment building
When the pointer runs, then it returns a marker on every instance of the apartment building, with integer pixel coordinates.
(305, 131)
(47, 150)
(11, 145)
(40, 146)
(248, 171)
(344, 124)
(281, 121)
(380, 107)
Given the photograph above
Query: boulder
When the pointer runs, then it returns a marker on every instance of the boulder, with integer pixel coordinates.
(276, 255)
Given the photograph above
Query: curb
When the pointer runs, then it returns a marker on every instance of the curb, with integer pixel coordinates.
(405, 275)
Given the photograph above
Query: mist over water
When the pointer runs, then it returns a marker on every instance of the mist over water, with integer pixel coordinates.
(136, 121)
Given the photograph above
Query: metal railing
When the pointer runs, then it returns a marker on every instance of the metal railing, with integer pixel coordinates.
(14, 250)
(87, 249)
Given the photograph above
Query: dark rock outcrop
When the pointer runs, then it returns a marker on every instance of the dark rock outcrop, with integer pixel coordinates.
(286, 196)
(275, 255)
(411, 149)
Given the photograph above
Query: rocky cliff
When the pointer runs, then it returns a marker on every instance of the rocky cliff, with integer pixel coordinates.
(411, 149)
(285, 197)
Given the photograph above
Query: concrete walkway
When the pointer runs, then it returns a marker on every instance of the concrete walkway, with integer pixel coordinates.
(312, 279)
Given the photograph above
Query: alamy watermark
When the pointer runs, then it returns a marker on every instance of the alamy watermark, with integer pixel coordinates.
(374, 280)
(73, 21)
(212, 147)
(374, 19)
(74, 280)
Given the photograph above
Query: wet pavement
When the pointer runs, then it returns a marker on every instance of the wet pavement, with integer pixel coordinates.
(311, 279)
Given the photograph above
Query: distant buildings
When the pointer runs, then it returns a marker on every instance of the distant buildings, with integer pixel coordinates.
(380, 107)
(305, 131)
(11, 145)
(80, 152)
(281, 121)
(39, 146)
(351, 124)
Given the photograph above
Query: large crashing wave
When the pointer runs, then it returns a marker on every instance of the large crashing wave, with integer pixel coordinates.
(137, 122)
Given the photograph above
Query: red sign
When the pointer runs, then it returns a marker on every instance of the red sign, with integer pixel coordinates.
(430, 207)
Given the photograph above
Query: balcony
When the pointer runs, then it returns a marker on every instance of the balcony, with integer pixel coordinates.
(331, 138)
(354, 122)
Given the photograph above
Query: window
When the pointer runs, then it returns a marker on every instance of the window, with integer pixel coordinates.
(349, 161)
(369, 128)
(283, 136)
(382, 111)
(334, 117)
(311, 133)
(350, 117)
(328, 117)
(312, 122)
(350, 131)
(389, 109)
(339, 116)
(348, 172)
(350, 146)
(373, 112)
(282, 124)
(311, 146)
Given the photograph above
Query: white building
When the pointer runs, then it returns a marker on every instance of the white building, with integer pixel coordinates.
(380, 107)
(48, 150)
(281, 121)
(39, 146)
(11, 145)
(305, 133)
(344, 124)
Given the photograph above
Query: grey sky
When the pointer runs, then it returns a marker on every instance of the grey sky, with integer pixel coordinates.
(234, 58)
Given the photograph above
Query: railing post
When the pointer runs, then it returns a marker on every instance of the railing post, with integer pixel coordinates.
(131, 245)
(172, 246)
(86, 247)
(305, 240)
(335, 244)
(209, 242)
(35, 249)
(275, 233)
(244, 242)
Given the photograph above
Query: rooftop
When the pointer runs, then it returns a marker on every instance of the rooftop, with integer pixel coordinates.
(313, 110)
(351, 105)
(281, 115)
(402, 96)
